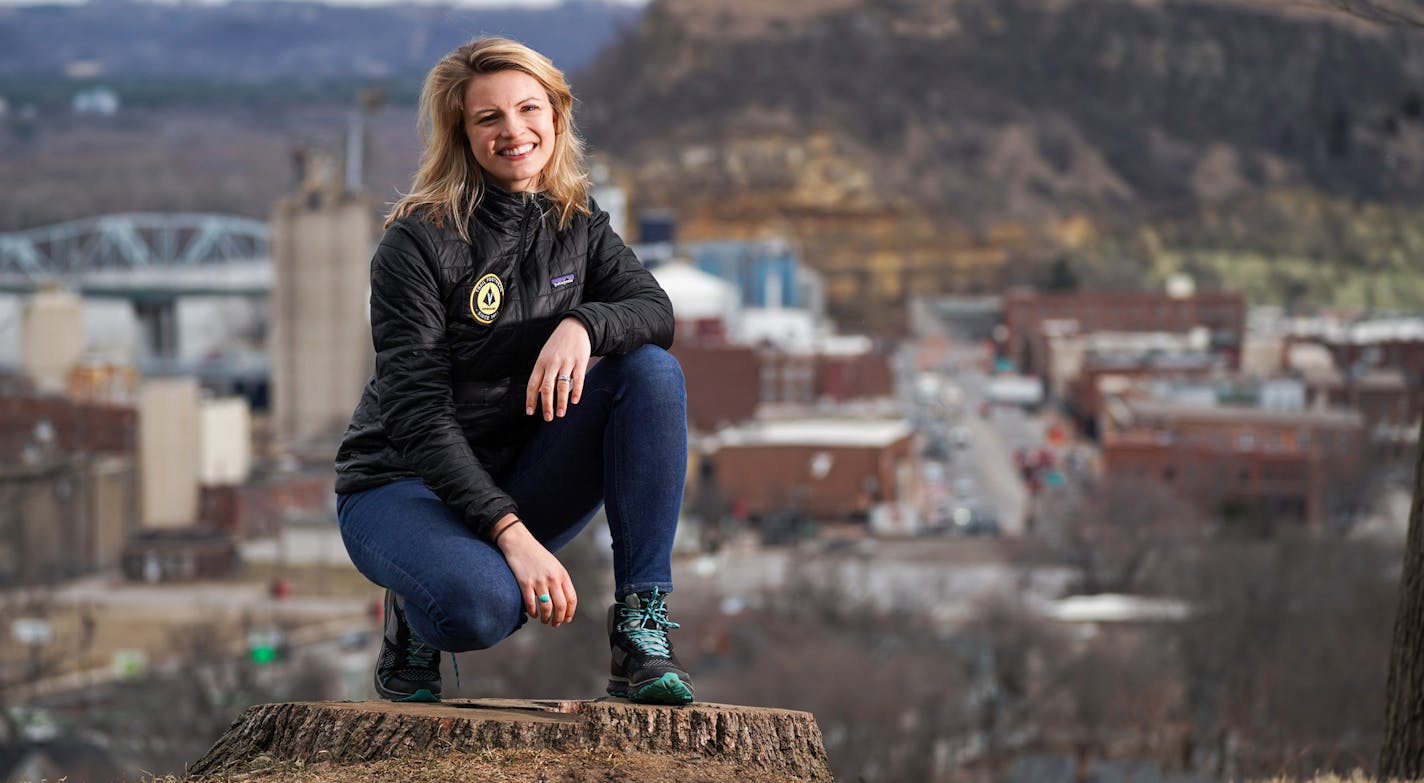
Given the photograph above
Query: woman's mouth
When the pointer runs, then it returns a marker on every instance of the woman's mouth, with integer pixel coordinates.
(515, 153)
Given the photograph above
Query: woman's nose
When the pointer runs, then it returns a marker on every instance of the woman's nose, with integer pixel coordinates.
(511, 127)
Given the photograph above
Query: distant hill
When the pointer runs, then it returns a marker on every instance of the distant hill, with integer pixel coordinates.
(1027, 106)
(921, 144)
(215, 98)
(260, 42)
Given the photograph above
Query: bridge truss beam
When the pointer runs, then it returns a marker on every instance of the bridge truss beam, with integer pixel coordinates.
(130, 241)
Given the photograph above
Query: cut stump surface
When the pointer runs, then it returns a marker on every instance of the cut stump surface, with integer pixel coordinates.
(767, 744)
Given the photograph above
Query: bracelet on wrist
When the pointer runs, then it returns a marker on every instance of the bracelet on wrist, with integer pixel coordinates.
(495, 538)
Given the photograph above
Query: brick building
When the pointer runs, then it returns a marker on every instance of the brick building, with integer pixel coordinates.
(726, 384)
(822, 469)
(66, 426)
(857, 376)
(1382, 397)
(1261, 468)
(263, 506)
(1031, 318)
(1379, 369)
(1098, 380)
(736, 360)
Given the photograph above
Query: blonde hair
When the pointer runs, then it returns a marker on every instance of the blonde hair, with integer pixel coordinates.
(450, 184)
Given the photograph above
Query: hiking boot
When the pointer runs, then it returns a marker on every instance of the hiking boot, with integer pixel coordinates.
(408, 669)
(644, 668)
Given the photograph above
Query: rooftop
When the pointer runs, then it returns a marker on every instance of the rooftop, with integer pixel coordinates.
(1115, 608)
(696, 294)
(1327, 417)
(1376, 330)
(831, 432)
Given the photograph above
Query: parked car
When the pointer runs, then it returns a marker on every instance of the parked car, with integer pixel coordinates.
(975, 520)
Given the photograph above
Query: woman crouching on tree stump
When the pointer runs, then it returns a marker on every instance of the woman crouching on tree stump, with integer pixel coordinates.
(484, 441)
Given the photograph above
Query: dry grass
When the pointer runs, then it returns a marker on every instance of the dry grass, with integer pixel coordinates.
(1354, 777)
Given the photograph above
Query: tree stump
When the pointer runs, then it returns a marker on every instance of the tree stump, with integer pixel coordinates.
(764, 743)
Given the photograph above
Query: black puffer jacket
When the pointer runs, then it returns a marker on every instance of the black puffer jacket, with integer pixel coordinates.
(457, 329)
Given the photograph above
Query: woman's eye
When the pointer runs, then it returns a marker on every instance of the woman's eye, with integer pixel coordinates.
(532, 107)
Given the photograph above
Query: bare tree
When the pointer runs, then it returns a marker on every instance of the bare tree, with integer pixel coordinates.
(1277, 656)
(890, 688)
(1118, 534)
(1087, 691)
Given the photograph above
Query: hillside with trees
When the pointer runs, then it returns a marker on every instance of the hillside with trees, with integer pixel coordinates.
(991, 138)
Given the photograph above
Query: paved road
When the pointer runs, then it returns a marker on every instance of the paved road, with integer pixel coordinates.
(988, 458)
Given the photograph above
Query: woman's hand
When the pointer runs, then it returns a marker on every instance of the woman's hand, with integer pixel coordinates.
(538, 573)
(565, 354)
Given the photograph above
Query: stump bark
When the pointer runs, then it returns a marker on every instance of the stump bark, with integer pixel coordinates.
(777, 744)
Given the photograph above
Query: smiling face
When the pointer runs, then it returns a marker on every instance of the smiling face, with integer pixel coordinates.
(510, 125)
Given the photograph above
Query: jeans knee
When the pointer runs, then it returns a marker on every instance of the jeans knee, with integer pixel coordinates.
(465, 620)
(653, 366)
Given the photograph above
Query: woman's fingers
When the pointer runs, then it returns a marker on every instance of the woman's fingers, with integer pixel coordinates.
(550, 389)
(535, 607)
(553, 388)
(555, 611)
(564, 604)
(568, 386)
(531, 391)
(548, 608)
(566, 353)
(564, 388)
(571, 598)
(576, 382)
(546, 398)
(560, 607)
(556, 606)
(540, 575)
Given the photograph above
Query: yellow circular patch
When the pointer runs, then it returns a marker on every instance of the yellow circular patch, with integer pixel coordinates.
(486, 298)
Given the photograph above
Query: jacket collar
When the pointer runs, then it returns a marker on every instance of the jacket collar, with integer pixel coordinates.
(505, 210)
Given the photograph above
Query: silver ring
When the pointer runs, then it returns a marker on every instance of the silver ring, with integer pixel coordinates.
(562, 378)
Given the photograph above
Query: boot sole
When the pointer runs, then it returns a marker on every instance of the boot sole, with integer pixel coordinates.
(424, 695)
(667, 689)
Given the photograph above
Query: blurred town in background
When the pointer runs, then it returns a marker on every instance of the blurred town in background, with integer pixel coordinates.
(1054, 373)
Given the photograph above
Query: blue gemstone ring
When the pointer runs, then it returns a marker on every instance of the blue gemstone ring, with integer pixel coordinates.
(544, 599)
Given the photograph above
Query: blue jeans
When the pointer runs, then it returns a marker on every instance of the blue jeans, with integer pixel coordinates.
(624, 445)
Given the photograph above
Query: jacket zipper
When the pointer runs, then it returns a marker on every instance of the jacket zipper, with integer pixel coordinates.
(524, 226)
(518, 275)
